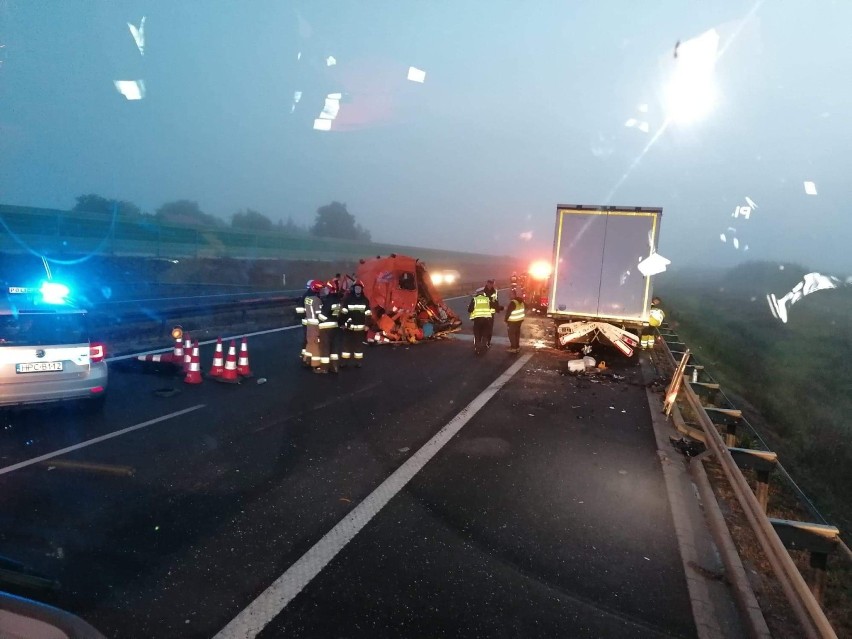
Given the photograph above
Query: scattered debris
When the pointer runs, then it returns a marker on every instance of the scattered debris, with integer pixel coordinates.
(166, 392)
(404, 450)
(688, 447)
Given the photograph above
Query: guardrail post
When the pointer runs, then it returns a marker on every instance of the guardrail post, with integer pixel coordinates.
(817, 539)
(819, 576)
(762, 492)
(762, 462)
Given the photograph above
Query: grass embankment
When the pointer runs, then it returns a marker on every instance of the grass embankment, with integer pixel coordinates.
(797, 375)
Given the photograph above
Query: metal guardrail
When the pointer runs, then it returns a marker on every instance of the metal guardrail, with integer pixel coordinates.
(56, 232)
(802, 600)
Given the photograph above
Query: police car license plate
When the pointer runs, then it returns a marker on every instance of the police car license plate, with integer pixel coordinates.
(38, 367)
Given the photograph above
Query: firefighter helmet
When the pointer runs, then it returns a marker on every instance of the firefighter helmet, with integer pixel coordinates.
(358, 283)
(315, 285)
(332, 286)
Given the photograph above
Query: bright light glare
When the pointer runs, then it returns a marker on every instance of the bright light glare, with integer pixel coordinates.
(449, 278)
(437, 278)
(540, 270)
(691, 92)
(53, 292)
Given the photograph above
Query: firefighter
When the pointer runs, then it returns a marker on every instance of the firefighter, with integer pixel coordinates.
(491, 293)
(481, 312)
(311, 309)
(514, 318)
(354, 313)
(335, 335)
(325, 327)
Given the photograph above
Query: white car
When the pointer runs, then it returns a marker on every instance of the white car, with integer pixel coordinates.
(46, 354)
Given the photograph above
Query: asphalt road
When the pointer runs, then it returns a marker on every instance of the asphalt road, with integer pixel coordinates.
(545, 515)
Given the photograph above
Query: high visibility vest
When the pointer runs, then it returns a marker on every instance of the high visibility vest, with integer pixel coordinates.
(656, 317)
(481, 307)
(517, 314)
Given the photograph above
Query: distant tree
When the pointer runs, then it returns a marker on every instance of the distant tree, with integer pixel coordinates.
(187, 213)
(251, 220)
(291, 228)
(92, 203)
(333, 220)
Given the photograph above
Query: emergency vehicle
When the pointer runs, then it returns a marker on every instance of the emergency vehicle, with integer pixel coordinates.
(46, 352)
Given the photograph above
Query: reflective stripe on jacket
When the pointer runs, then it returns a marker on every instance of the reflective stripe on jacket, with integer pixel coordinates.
(517, 314)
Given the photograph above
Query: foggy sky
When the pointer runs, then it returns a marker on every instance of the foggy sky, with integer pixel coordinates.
(523, 106)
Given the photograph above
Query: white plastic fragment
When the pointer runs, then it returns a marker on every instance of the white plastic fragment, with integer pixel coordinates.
(322, 125)
(416, 75)
(131, 89)
(138, 35)
(330, 61)
(653, 264)
(810, 188)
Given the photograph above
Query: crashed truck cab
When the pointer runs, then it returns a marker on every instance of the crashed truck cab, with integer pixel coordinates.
(600, 287)
(400, 286)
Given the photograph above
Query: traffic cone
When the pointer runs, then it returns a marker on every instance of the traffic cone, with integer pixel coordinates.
(243, 369)
(229, 374)
(187, 352)
(218, 362)
(178, 352)
(193, 375)
(162, 358)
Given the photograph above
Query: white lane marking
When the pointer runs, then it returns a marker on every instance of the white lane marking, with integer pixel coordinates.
(257, 615)
(96, 440)
(209, 341)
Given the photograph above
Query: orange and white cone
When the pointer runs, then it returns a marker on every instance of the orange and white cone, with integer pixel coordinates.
(243, 369)
(187, 351)
(162, 358)
(229, 375)
(193, 375)
(218, 360)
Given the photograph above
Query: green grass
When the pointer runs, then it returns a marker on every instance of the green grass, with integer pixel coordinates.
(797, 375)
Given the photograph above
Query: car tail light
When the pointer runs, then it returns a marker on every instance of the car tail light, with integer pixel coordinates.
(97, 352)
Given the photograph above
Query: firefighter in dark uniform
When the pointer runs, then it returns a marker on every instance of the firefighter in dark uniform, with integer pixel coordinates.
(491, 293)
(326, 325)
(355, 314)
(334, 296)
(310, 310)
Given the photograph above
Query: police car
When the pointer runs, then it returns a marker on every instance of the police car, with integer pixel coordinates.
(46, 353)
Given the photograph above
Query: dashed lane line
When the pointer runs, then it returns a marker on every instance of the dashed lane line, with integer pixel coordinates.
(260, 612)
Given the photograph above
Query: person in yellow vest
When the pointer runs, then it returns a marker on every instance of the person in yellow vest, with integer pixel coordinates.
(480, 309)
(656, 317)
(515, 313)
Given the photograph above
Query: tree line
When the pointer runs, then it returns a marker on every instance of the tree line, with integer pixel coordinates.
(332, 220)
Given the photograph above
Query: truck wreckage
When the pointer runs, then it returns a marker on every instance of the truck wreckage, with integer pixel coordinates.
(600, 286)
(405, 305)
